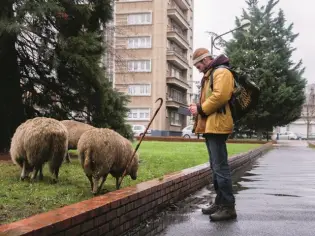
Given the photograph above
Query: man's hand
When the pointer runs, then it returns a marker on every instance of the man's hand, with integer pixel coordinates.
(193, 109)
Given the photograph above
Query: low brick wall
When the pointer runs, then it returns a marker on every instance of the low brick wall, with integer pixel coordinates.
(117, 212)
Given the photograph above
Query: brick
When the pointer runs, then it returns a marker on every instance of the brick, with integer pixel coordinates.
(121, 210)
(103, 229)
(128, 225)
(137, 203)
(124, 200)
(111, 215)
(92, 233)
(119, 230)
(141, 210)
(133, 213)
(100, 220)
(80, 218)
(115, 204)
(60, 234)
(130, 206)
(86, 226)
(133, 197)
(142, 194)
(144, 201)
(113, 224)
(73, 231)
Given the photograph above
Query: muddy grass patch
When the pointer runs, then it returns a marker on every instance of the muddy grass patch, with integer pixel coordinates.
(19, 200)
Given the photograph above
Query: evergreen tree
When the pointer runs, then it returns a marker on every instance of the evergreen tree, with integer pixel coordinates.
(50, 54)
(265, 51)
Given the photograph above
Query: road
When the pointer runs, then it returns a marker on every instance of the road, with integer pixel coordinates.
(276, 196)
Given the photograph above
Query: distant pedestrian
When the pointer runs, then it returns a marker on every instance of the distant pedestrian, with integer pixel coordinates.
(214, 121)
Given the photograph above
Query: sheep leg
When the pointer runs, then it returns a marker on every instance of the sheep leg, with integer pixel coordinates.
(26, 170)
(41, 176)
(67, 158)
(95, 185)
(34, 174)
(23, 171)
(55, 175)
(103, 180)
(117, 183)
(91, 181)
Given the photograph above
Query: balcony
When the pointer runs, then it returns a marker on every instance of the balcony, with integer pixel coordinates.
(183, 4)
(176, 35)
(177, 81)
(177, 58)
(172, 103)
(176, 14)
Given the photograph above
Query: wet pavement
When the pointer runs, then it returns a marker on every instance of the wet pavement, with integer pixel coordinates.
(274, 196)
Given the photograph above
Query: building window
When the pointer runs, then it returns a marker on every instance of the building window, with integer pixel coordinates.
(177, 96)
(139, 66)
(139, 114)
(139, 19)
(139, 90)
(175, 118)
(139, 42)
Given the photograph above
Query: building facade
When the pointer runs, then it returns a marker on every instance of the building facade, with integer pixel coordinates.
(153, 59)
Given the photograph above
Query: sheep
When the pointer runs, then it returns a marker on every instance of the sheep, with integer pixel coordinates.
(103, 151)
(75, 130)
(37, 141)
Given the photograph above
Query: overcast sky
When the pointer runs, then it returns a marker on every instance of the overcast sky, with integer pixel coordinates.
(219, 17)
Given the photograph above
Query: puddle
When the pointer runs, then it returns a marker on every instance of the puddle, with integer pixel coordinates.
(189, 209)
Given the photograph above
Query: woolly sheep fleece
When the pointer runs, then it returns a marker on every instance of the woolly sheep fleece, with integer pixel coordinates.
(37, 141)
(103, 151)
(75, 130)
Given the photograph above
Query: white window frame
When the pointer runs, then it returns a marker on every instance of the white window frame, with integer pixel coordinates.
(135, 42)
(176, 117)
(139, 90)
(139, 114)
(137, 66)
(136, 18)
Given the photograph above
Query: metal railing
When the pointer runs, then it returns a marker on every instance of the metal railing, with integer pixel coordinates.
(178, 31)
(174, 6)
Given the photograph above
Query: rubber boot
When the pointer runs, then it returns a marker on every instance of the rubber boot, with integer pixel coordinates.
(224, 213)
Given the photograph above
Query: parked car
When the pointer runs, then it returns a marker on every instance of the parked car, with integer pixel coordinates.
(187, 132)
(138, 130)
(288, 135)
(301, 136)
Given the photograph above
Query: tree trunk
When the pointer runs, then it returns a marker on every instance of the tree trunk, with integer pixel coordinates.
(11, 105)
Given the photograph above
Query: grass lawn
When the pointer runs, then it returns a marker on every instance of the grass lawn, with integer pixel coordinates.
(19, 200)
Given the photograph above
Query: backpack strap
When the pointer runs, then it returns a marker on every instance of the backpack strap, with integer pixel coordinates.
(222, 109)
(212, 72)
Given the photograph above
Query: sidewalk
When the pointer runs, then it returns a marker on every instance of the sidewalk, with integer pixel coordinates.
(276, 197)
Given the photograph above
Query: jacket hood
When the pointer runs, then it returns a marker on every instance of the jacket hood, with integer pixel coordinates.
(219, 60)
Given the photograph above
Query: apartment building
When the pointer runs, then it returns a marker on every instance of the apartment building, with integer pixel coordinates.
(153, 59)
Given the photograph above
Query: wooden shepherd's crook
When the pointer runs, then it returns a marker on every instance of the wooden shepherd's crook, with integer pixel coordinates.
(134, 152)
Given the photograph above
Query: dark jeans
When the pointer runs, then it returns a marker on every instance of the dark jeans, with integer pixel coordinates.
(221, 175)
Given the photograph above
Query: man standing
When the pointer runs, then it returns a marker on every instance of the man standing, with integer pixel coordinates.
(213, 119)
